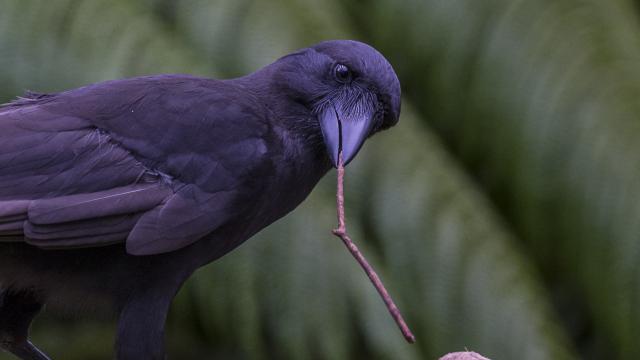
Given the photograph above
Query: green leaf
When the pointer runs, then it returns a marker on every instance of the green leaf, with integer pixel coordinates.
(539, 101)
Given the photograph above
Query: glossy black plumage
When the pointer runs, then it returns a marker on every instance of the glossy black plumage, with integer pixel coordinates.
(114, 193)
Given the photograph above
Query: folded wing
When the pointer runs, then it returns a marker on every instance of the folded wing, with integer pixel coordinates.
(76, 175)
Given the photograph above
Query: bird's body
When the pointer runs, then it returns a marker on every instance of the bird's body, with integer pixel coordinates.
(55, 152)
(112, 194)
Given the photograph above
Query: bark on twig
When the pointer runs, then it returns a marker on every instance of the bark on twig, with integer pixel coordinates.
(341, 232)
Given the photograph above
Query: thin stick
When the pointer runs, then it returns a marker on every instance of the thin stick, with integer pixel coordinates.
(341, 232)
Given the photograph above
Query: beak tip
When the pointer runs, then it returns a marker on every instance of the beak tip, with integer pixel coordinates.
(335, 159)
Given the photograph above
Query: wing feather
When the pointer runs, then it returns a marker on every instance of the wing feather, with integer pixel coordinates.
(187, 216)
(158, 162)
(121, 200)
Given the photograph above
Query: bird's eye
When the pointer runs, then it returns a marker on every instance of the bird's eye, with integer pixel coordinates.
(342, 73)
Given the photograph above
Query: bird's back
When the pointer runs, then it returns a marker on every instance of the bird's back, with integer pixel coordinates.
(156, 161)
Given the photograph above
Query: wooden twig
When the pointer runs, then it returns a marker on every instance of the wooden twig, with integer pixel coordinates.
(341, 232)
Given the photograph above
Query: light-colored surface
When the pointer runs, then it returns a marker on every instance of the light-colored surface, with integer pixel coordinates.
(464, 355)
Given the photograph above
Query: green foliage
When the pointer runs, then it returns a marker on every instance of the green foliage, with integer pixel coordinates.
(500, 212)
(539, 101)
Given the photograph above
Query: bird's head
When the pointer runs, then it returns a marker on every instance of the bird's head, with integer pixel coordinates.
(351, 89)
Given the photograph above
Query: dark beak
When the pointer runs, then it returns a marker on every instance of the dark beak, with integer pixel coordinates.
(344, 131)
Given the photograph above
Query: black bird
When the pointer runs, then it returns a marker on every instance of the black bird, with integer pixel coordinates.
(113, 194)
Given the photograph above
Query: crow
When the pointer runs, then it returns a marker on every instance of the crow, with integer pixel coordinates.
(113, 194)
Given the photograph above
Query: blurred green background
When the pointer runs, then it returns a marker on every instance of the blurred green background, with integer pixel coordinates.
(501, 212)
